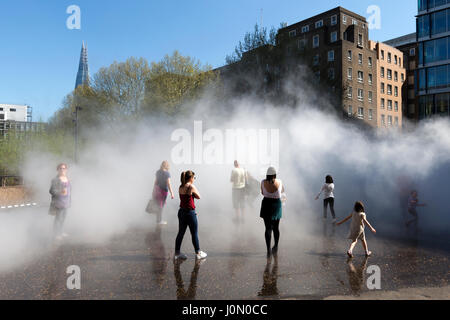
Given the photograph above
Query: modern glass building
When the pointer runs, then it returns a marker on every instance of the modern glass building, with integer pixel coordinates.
(433, 73)
(83, 68)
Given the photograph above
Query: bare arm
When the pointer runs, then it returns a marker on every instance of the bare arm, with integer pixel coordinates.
(170, 188)
(195, 192)
(368, 224)
(345, 220)
(321, 190)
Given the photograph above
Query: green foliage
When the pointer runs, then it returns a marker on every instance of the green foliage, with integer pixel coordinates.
(252, 40)
(176, 81)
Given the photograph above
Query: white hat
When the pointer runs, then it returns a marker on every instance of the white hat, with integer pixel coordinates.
(271, 171)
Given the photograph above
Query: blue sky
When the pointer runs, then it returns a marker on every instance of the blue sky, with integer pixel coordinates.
(39, 55)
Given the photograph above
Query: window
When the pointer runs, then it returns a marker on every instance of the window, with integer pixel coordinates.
(400, 61)
(361, 112)
(396, 106)
(389, 120)
(382, 72)
(403, 77)
(389, 107)
(370, 114)
(302, 43)
(395, 76)
(423, 25)
(317, 75)
(316, 60)
(316, 41)
(389, 57)
(370, 78)
(360, 94)
(292, 33)
(382, 87)
(319, 24)
(344, 19)
(331, 55)
(360, 40)
(1, 109)
(439, 22)
(370, 61)
(370, 97)
(12, 110)
(349, 55)
(2, 116)
(360, 76)
(396, 91)
(350, 93)
(333, 20)
(331, 74)
(333, 36)
(383, 120)
(350, 74)
(354, 22)
(382, 54)
(389, 74)
(305, 29)
(360, 58)
(396, 121)
(389, 89)
(395, 59)
(412, 52)
(350, 111)
(382, 104)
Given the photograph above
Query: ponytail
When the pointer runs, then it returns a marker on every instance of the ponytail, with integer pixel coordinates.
(183, 178)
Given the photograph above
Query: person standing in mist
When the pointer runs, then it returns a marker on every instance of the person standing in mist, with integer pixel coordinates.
(358, 217)
(61, 191)
(187, 217)
(413, 203)
(271, 208)
(328, 190)
(161, 188)
(237, 180)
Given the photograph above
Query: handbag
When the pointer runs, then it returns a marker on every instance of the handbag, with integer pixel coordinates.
(152, 207)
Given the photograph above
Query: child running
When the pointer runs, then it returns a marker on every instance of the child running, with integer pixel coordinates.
(358, 217)
(187, 217)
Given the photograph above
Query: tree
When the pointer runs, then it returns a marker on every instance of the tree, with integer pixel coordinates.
(258, 38)
(175, 81)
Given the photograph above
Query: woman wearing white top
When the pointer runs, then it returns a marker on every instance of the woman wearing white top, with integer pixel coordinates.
(271, 208)
(328, 199)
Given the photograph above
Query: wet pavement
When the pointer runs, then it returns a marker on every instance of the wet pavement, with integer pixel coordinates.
(138, 264)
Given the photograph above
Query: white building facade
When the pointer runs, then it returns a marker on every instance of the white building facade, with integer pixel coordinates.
(11, 112)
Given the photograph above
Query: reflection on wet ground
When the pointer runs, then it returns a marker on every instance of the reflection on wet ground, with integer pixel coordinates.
(139, 265)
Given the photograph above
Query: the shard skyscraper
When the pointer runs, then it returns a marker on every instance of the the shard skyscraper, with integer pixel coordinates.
(83, 69)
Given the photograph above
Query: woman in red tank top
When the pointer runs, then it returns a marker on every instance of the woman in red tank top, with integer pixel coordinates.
(187, 217)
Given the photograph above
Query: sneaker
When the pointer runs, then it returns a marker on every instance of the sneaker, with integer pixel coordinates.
(201, 255)
(180, 256)
(162, 223)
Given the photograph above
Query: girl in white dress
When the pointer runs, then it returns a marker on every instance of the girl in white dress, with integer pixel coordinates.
(357, 228)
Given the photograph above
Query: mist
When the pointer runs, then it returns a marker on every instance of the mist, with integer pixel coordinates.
(114, 177)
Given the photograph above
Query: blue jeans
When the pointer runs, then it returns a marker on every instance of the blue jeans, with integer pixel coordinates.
(187, 218)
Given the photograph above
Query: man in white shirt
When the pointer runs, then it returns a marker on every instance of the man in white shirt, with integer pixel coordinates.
(237, 180)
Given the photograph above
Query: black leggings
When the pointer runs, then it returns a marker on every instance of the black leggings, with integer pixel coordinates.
(325, 203)
(272, 225)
